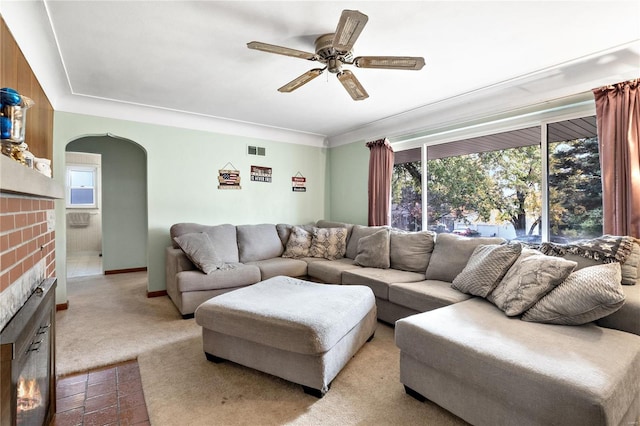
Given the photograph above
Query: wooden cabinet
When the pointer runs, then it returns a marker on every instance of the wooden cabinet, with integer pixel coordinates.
(16, 73)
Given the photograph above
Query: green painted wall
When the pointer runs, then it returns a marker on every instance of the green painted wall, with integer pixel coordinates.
(182, 179)
(348, 173)
(124, 200)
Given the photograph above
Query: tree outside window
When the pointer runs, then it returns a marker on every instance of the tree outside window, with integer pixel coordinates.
(499, 191)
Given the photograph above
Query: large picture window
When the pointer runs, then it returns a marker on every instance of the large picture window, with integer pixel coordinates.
(494, 185)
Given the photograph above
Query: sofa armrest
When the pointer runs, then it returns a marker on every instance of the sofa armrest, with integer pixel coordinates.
(175, 261)
(180, 262)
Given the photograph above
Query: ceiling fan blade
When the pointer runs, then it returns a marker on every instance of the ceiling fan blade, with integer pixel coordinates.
(348, 30)
(390, 62)
(302, 80)
(272, 48)
(352, 85)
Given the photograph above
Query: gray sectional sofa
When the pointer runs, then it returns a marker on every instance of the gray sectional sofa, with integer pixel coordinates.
(463, 341)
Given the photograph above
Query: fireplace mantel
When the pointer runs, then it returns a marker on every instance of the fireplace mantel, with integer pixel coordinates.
(16, 178)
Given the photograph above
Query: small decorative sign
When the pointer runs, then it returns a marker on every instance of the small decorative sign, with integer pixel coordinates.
(261, 174)
(299, 183)
(229, 178)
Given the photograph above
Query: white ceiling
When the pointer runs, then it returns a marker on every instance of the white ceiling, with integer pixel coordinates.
(186, 63)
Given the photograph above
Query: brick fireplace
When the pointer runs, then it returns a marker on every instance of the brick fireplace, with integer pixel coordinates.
(27, 294)
(27, 249)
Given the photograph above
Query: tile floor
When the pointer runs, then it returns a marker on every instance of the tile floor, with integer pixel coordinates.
(83, 264)
(108, 396)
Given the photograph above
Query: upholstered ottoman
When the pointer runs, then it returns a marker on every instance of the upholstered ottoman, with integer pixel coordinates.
(300, 331)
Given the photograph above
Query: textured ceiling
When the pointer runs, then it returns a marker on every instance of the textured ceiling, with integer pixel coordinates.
(191, 56)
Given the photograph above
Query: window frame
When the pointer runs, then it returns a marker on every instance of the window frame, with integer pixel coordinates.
(536, 118)
(82, 168)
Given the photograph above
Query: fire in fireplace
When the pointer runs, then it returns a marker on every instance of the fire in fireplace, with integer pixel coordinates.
(27, 361)
(29, 396)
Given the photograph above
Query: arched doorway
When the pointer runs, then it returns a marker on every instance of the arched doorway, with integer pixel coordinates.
(121, 198)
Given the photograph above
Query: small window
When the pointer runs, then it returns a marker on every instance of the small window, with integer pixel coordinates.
(81, 187)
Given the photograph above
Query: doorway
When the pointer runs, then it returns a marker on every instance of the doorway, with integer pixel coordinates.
(115, 220)
(83, 216)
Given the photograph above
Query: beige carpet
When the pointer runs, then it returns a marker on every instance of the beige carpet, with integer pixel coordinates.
(110, 319)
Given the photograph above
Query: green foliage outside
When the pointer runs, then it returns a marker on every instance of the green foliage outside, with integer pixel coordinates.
(575, 189)
(506, 184)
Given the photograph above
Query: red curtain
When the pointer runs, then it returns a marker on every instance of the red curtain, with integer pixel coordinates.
(618, 121)
(380, 171)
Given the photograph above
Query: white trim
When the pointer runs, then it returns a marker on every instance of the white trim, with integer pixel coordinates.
(544, 188)
(579, 108)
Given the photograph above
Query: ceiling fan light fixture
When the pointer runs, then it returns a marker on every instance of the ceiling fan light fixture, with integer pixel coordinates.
(300, 81)
(352, 85)
(390, 62)
(333, 50)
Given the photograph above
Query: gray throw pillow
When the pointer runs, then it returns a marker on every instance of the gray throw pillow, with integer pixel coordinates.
(631, 266)
(531, 277)
(586, 295)
(373, 251)
(299, 243)
(330, 243)
(451, 254)
(199, 249)
(357, 232)
(486, 267)
(411, 251)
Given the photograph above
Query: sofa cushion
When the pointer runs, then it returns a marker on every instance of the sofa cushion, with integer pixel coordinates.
(631, 266)
(241, 275)
(426, 295)
(280, 266)
(451, 254)
(586, 295)
(486, 267)
(357, 232)
(627, 318)
(298, 244)
(223, 238)
(329, 243)
(379, 279)
(411, 251)
(258, 242)
(199, 249)
(531, 277)
(373, 250)
(330, 271)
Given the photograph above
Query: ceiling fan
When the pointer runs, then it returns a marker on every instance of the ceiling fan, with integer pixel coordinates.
(334, 50)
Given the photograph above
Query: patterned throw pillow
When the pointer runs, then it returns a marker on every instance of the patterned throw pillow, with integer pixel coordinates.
(587, 295)
(373, 251)
(330, 243)
(451, 254)
(199, 249)
(298, 244)
(486, 267)
(604, 249)
(531, 277)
